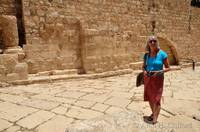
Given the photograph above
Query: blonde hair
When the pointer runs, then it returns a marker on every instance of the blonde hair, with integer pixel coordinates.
(147, 49)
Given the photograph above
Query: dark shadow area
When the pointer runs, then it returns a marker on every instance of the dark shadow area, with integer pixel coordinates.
(20, 23)
(1, 42)
(195, 3)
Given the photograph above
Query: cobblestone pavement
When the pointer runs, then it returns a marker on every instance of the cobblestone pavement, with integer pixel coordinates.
(51, 107)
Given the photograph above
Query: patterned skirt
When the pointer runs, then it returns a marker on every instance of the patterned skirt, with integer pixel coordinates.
(153, 88)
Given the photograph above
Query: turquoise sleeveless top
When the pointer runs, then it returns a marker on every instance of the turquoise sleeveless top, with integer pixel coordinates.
(155, 63)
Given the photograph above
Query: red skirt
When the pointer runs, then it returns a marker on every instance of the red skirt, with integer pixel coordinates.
(153, 88)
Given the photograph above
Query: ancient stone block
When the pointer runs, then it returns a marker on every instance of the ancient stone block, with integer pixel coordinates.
(9, 61)
(12, 77)
(3, 70)
(9, 28)
(22, 70)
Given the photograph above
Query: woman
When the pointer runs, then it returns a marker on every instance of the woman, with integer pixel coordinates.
(153, 70)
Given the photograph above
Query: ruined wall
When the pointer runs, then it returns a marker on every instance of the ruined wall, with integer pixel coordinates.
(103, 35)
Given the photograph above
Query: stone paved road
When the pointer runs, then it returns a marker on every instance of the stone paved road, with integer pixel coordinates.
(52, 107)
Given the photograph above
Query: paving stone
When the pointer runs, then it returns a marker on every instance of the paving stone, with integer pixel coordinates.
(61, 109)
(137, 105)
(11, 91)
(186, 95)
(13, 129)
(12, 98)
(85, 104)
(41, 89)
(88, 90)
(71, 94)
(13, 112)
(81, 113)
(116, 101)
(56, 124)
(35, 119)
(4, 124)
(40, 104)
(100, 107)
(96, 97)
(121, 94)
(34, 88)
(110, 95)
(180, 123)
(113, 110)
(185, 107)
(55, 99)
(118, 122)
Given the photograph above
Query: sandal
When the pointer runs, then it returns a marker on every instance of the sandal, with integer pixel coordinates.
(150, 118)
(154, 122)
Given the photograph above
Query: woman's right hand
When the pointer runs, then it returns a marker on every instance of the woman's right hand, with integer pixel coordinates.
(145, 72)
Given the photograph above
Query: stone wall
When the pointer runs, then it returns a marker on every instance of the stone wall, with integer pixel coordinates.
(7, 7)
(112, 33)
(103, 35)
(57, 47)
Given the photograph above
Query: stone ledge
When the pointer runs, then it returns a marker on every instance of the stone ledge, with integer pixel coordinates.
(46, 79)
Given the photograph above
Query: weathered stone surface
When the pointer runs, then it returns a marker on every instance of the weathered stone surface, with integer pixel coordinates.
(7, 7)
(13, 112)
(84, 104)
(119, 122)
(13, 129)
(56, 124)
(22, 70)
(9, 28)
(117, 101)
(81, 113)
(60, 36)
(35, 119)
(3, 70)
(3, 84)
(3, 78)
(12, 98)
(12, 76)
(9, 61)
(177, 113)
(4, 124)
(41, 104)
(100, 107)
(180, 123)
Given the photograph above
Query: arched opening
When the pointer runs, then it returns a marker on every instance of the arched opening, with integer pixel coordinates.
(167, 46)
(20, 23)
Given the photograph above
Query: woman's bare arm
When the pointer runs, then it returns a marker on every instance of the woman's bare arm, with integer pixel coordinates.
(167, 66)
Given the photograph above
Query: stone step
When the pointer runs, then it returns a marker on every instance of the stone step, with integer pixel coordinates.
(46, 78)
(55, 72)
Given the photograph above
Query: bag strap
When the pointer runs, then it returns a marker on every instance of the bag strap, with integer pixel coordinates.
(146, 58)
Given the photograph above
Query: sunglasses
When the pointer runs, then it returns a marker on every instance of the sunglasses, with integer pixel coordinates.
(151, 41)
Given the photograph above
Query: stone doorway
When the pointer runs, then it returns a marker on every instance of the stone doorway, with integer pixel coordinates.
(167, 46)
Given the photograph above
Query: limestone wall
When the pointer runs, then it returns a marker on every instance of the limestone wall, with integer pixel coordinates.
(102, 35)
(7, 7)
(105, 34)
